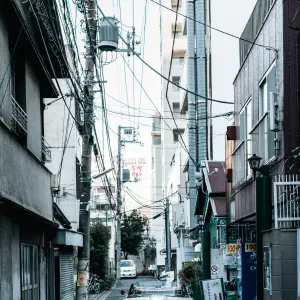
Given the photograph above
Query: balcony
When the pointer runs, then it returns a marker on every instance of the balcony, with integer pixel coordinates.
(183, 97)
(46, 152)
(182, 17)
(286, 201)
(18, 118)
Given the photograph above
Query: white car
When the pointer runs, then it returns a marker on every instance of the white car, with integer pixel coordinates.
(128, 269)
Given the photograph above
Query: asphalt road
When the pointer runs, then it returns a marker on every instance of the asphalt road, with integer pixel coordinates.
(125, 285)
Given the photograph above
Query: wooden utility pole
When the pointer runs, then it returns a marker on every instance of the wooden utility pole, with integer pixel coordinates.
(87, 144)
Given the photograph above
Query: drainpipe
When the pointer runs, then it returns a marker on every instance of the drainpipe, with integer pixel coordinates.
(201, 80)
(191, 109)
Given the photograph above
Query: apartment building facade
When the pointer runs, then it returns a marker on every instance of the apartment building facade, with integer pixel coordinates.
(261, 202)
(26, 204)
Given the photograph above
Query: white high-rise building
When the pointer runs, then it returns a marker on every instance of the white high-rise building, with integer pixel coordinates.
(166, 132)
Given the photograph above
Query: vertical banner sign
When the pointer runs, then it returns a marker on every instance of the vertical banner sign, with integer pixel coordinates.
(267, 269)
(212, 289)
(248, 272)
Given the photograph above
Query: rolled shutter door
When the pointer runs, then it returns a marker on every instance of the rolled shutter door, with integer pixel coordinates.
(66, 276)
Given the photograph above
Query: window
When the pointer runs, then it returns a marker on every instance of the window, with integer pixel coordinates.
(176, 134)
(178, 30)
(176, 80)
(176, 109)
(30, 276)
(263, 136)
(245, 129)
(244, 149)
(18, 97)
(174, 4)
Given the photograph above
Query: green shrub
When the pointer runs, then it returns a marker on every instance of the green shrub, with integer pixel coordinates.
(108, 282)
(191, 272)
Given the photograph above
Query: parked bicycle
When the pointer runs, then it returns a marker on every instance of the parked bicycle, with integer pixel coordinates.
(95, 284)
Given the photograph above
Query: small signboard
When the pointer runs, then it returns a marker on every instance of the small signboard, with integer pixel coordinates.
(250, 247)
(267, 269)
(233, 248)
(214, 270)
(212, 289)
(83, 277)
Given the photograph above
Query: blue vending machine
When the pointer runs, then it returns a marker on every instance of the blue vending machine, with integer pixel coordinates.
(248, 272)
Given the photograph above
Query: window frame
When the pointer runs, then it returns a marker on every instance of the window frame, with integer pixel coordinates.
(265, 113)
(33, 271)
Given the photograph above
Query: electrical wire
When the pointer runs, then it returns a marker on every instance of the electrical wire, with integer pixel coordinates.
(51, 65)
(143, 51)
(157, 72)
(216, 29)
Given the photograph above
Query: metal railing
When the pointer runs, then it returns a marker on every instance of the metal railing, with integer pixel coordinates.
(46, 152)
(18, 118)
(286, 201)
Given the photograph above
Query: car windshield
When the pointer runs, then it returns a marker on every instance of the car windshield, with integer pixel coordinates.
(170, 289)
(126, 263)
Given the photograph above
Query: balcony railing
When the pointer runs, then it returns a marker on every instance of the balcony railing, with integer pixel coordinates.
(18, 118)
(287, 201)
(46, 152)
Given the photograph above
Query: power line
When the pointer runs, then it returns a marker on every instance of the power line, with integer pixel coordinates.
(50, 62)
(170, 69)
(157, 72)
(216, 29)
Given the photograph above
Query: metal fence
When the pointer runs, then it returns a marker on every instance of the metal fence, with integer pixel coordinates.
(286, 201)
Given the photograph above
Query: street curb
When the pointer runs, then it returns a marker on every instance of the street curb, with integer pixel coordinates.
(104, 295)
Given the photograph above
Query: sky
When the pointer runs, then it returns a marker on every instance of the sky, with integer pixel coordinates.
(227, 15)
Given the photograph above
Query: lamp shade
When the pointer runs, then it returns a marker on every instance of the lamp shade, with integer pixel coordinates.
(254, 162)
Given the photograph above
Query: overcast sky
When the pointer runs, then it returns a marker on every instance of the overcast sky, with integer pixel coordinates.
(227, 15)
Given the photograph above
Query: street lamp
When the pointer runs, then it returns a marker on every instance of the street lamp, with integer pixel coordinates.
(254, 163)
(201, 223)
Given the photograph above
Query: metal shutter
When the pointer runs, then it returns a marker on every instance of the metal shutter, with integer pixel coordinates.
(66, 276)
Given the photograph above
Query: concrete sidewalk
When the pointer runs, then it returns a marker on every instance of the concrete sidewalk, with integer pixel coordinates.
(101, 296)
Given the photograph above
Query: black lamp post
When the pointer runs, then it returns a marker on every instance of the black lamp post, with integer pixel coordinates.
(254, 163)
(263, 215)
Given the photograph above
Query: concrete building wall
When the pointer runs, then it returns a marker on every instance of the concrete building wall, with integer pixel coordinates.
(59, 126)
(33, 110)
(283, 245)
(246, 86)
(30, 191)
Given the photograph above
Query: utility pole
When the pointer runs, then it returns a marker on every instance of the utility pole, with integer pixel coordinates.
(130, 131)
(119, 206)
(168, 236)
(87, 144)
